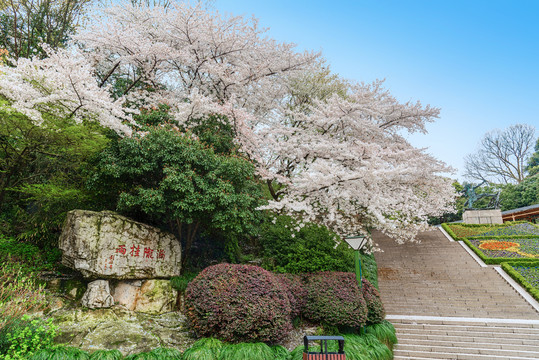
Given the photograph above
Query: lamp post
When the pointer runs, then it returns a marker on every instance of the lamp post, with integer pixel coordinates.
(356, 243)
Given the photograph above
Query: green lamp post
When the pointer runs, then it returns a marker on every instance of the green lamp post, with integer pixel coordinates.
(356, 243)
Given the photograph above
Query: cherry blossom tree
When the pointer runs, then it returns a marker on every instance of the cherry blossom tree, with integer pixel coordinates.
(330, 150)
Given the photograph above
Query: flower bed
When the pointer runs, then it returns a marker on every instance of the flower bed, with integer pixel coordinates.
(495, 250)
(460, 231)
(526, 274)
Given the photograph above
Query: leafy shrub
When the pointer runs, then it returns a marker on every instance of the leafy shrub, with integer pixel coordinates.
(334, 298)
(375, 308)
(28, 254)
(19, 293)
(238, 303)
(297, 294)
(287, 248)
(311, 249)
(180, 282)
(27, 338)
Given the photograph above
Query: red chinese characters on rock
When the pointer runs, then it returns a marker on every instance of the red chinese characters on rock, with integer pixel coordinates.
(148, 253)
(121, 250)
(135, 251)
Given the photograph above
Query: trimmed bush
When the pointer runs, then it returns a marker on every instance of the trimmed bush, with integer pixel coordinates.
(238, 303)
(375, 309)
(297, 294)
(334, 299)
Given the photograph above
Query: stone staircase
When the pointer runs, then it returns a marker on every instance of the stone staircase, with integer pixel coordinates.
(466, 339)
(444, 305)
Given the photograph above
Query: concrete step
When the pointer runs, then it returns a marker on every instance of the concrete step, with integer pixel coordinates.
(466, 338)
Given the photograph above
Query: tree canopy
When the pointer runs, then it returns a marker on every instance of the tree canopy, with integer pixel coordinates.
(331, 151)
(502, 155)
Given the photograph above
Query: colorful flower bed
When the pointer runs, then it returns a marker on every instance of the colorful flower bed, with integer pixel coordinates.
(531, 274)
(523, 247)
(525, 273)
(513, 230)
(459, 231)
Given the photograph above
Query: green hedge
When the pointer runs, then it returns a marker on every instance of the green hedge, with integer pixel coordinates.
(508, 267)
(450, 232)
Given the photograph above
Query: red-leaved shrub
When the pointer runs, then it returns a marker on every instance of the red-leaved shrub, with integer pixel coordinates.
(334, 299)
(238, 303)
(297, 294)
(375, 309)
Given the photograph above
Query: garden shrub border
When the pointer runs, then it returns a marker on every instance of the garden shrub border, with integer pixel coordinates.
(508, 268)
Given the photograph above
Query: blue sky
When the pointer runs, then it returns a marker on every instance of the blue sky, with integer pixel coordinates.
(476, 60)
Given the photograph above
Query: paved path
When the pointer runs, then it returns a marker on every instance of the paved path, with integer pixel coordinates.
(446, 306)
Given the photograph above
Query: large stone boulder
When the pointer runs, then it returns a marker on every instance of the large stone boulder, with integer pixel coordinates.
(150, 296)
(106, 245)
(98, 295)
(117, 328)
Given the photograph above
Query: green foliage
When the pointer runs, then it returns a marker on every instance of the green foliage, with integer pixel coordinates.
(19, 292)
(246, 351)
(523, 194)
(143, 356)
(180, 282)
(309, 250)
(19, 252)
(279, 352)
(28, 256)
(204, 349)
(106, 355)
(61, 353)
(25, 340)
(40, 172)
(169, 354)
(533, 161)
(384, 332)
(168, 178)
